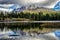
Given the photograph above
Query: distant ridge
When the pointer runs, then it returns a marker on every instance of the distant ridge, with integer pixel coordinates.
(32, 7)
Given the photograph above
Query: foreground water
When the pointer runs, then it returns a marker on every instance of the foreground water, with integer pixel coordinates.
(20, 35)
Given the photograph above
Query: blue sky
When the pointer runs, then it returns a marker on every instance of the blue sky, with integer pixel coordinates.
(45, 3)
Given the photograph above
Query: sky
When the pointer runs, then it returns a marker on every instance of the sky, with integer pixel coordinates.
(45, 3)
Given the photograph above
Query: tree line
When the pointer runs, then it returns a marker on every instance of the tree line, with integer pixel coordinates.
(33, 16)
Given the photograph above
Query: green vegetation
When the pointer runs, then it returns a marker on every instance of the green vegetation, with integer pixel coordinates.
(32, 16)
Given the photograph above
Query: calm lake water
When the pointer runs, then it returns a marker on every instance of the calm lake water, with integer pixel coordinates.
(12, 31)
(20, 35)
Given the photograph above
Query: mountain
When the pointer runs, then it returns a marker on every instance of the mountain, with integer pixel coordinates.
(20, 9)
(37, 8)
(10, 7)
(57, 6)
(34, 8)
(31, 7)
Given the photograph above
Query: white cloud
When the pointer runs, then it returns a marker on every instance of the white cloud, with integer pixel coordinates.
(47, 3)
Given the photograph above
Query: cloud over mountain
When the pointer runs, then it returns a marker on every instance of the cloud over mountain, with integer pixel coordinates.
(46, 3)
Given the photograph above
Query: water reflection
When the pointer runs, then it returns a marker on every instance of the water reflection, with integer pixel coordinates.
(20, 35)
(13, 31)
